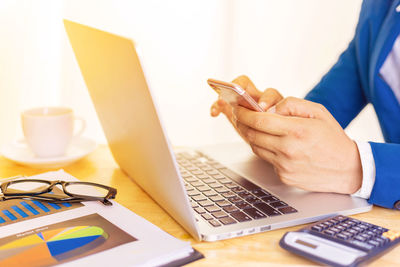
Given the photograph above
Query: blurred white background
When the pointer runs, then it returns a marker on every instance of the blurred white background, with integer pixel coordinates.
(287, 44)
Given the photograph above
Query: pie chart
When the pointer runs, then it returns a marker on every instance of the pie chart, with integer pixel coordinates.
(49, 247)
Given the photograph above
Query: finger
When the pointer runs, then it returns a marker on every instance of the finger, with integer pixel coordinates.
(215, 110)
(248, 86)
(265, 154)
(269, 123)
(292, 106)
(260, 139)
(269, 98)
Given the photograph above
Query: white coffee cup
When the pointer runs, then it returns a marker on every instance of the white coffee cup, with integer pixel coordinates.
(49, 130)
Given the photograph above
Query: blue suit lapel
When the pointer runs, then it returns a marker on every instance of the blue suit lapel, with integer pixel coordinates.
(384, 42)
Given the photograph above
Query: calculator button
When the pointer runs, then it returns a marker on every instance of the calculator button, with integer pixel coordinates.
(349, 235)
(317, 228)
(358, 229)
(329, 232)
(328, 224)
(352, 231)
(360, 238)
(322, 226)
(340, 218)
(381, 240)
(346, 225)
(341, 228)
(334, 229)
(333, 221)
(362, 245)
(392, 235)
(374, 243)
(342, 236)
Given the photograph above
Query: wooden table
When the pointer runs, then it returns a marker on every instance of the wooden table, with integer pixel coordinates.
(255, 250)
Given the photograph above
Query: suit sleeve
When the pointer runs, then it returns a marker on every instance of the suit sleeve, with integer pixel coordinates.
(340, 90)
(386, 190)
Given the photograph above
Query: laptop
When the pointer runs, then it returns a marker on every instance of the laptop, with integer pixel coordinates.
(214, 192)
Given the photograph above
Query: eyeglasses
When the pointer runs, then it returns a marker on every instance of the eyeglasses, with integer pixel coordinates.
(43, 190)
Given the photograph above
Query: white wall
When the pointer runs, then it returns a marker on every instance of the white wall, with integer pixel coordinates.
(283, 44)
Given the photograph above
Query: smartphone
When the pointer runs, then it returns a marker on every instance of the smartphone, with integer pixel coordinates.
(233, 94)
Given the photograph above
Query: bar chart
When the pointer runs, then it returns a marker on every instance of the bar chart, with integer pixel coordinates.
(17, 210)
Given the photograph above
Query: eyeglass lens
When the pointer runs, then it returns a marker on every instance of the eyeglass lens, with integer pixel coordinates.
(86, 190)
(28, 186)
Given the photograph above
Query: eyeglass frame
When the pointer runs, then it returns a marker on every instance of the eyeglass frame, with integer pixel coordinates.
(51, 184)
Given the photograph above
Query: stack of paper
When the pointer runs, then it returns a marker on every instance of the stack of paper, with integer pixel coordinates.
(39, 234)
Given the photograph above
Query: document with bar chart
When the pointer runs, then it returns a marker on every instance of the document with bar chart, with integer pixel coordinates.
(41, 234)
(17, 210)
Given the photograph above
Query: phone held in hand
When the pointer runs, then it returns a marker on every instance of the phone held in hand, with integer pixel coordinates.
(233, 94)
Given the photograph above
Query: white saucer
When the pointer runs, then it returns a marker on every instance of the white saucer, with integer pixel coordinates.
(19, 152)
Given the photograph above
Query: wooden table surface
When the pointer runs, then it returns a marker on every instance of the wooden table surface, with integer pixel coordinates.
(255, 250)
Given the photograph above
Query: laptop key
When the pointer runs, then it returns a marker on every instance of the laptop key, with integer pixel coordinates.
(196, 183)
(202, 176)
(235, 200)
(218, 176)
(219, 214)
(254, 213)
(191, 179)
(243, 205)
(215, 185)
(210, 193)
(244, 195)
(227, 220)
(229, 194)
(278, 204)
(224, 203)
(203, 188)
(270, 199)
(213, 208)
(239, 179)
(207, 216)
(208, 180)
(212, 172)
(199, 198)
(237, 189)
(217, 198)
(214, 223)
(287, 210)
(200, 210)
(267, 209)
(231, 185)
(230, 209)
(222, 189)
(193, 193)
(240, 216)
(253, 200)
(205, 203)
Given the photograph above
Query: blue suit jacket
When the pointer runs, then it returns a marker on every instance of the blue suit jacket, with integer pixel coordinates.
(354, 81)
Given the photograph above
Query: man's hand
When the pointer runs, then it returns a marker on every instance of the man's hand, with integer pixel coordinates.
(305, 144)
(266, 99)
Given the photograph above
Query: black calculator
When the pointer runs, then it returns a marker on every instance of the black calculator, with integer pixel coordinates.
(340, 241)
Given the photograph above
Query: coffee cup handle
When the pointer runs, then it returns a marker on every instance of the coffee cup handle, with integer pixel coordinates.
(82, 128)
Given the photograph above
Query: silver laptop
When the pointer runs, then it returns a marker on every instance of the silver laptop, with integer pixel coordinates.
(215, 192)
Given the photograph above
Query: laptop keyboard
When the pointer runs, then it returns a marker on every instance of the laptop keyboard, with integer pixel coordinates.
(223, 197)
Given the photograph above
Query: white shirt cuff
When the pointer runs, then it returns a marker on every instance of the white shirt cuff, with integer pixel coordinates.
(368, 169)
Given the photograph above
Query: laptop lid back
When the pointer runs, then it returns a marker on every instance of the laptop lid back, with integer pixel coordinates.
(114, 77)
